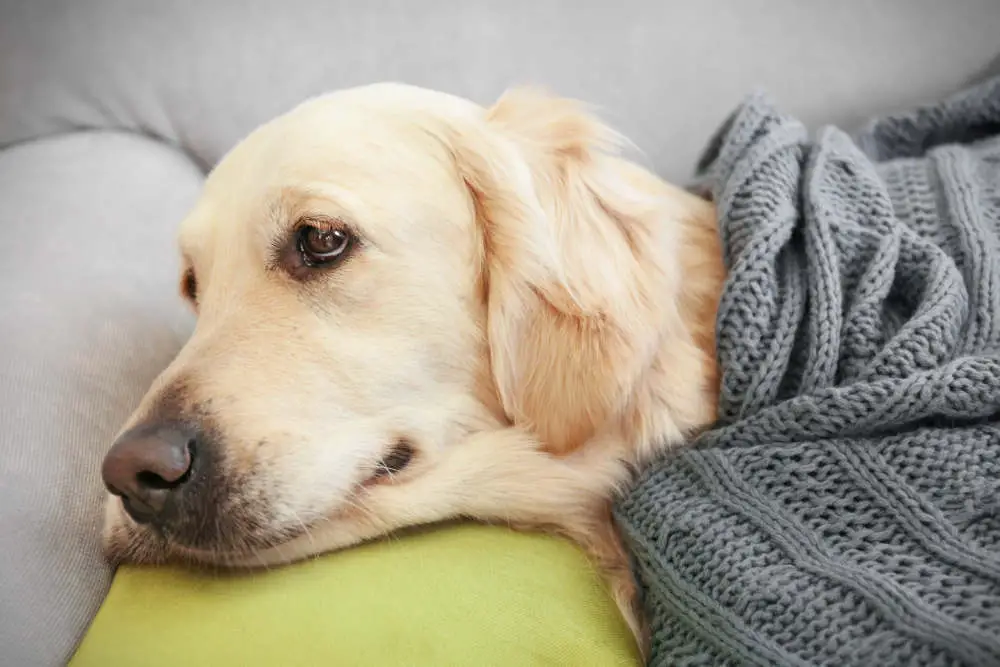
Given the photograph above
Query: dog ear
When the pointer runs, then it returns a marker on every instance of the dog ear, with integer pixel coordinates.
(575, 300)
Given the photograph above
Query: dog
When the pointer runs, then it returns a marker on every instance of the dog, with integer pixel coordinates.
(411, 308)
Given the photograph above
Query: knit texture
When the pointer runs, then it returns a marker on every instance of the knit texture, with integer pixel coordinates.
(845, 510)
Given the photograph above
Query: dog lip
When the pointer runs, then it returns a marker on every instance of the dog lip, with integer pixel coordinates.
(136, 510)
(394, 462)
(242, 547)
(238, 556)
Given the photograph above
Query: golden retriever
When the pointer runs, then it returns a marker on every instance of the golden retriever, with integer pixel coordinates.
(412, 308)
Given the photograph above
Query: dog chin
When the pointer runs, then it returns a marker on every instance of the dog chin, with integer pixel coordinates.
(129, 543)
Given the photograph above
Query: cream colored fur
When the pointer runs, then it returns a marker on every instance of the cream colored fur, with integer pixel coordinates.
(533, 312)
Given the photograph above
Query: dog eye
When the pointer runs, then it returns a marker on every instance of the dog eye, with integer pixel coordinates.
(319, 246)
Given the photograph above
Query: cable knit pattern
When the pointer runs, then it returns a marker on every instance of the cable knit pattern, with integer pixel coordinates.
(846, 508)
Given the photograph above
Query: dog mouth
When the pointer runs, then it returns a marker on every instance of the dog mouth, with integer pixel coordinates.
(128, 542)
(243, 531)
(393, 463)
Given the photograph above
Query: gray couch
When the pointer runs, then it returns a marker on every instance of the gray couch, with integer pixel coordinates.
(112, 110)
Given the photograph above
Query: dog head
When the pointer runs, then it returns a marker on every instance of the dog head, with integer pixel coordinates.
(380, 274)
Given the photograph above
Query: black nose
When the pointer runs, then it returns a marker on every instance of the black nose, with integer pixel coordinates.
(148, 467)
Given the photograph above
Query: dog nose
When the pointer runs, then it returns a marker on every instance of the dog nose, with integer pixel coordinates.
(148, 466)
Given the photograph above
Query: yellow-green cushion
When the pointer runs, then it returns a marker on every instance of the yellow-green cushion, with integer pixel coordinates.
(457, 595)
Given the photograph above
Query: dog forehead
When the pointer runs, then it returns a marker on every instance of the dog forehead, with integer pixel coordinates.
(354, 128)
(377, 146)
(311, 145)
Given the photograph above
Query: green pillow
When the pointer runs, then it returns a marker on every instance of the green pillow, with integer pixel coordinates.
(455, 595)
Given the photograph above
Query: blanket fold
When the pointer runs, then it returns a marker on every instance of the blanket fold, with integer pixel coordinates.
(846, 508)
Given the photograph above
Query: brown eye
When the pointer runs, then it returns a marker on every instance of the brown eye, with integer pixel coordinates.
(319, 246)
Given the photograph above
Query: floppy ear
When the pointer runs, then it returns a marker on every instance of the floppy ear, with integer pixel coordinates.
(577, 299)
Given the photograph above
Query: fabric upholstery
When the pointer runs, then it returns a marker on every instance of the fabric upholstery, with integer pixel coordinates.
(202, 74)
(90, 314)
(457, 595)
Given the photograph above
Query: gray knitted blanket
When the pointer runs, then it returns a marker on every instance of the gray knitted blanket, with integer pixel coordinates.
(846, 508)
